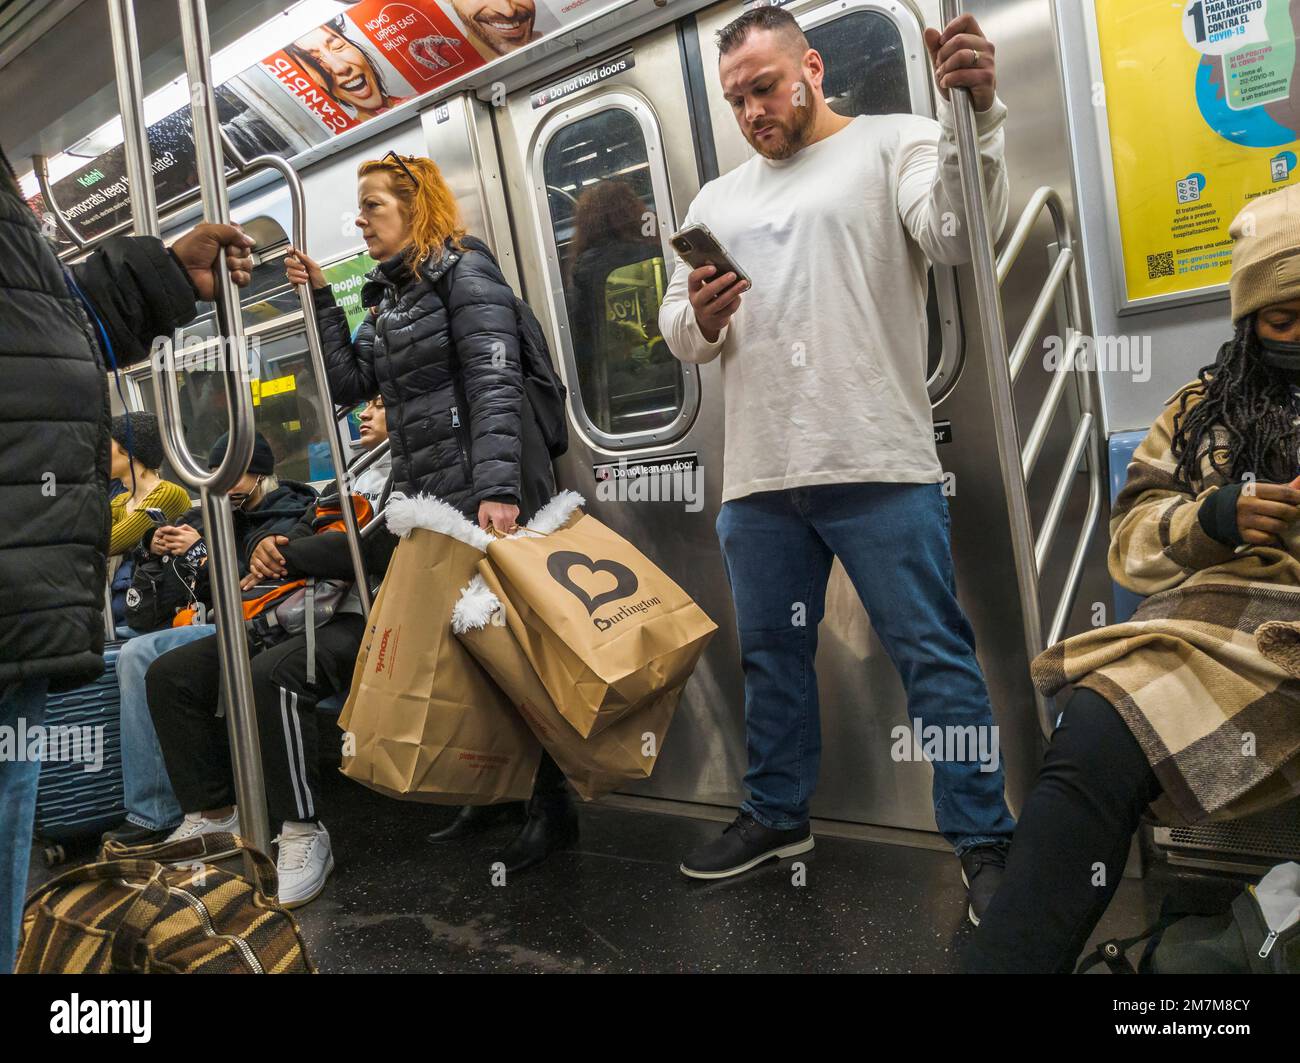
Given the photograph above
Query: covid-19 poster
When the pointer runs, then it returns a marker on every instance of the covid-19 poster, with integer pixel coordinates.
(1202, 99)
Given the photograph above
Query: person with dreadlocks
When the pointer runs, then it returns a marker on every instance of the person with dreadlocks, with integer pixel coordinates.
(1194, 703)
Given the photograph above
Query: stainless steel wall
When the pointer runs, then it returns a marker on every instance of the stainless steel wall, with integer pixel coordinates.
(862, 698)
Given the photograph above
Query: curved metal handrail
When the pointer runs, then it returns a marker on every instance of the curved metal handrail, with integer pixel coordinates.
(40, 166)
(298, 212)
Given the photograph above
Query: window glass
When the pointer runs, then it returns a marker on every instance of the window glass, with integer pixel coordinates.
(285, 408)
(866, 73)
(603, 215)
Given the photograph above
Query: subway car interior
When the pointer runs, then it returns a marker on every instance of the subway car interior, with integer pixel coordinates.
(575, 137)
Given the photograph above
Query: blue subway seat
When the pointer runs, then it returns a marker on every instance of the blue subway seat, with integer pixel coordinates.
(1122, 446)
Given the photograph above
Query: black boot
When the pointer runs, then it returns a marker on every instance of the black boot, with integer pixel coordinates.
(476, 819)
(552, 825)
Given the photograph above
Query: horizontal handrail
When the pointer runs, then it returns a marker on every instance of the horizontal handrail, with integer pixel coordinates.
(1042, 305)
(1048, 197)
(1061, 492)
(1072, 580)
(1051, 402)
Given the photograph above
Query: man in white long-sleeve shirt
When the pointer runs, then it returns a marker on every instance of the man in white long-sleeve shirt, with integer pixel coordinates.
(829, 437)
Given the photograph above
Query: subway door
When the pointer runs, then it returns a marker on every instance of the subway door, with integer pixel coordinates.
(876, 63)
(599, 168)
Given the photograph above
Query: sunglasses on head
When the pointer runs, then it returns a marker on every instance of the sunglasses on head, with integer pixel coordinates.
(405, 169)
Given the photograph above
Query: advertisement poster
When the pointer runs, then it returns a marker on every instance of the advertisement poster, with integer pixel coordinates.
(94, 197)
(346, 278)
(370, 58)
(1204, 113)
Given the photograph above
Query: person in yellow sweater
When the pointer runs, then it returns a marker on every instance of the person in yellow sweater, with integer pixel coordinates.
(137, 457)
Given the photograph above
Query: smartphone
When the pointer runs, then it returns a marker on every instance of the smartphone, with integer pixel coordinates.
(156, 515)
(699, 247)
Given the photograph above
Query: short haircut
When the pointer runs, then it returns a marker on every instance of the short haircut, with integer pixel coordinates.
(763, 17)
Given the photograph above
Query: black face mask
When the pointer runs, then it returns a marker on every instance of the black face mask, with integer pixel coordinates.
(1280, 355)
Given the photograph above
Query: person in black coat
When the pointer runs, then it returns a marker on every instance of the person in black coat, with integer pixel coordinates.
(59, 333)
(441, 345)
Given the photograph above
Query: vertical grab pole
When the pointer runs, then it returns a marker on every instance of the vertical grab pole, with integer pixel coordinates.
(298, 205)
(130, 101)
(989, 295)
(214, 487)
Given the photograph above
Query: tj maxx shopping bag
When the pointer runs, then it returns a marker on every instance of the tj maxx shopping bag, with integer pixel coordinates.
(425, 721)
(622, 753)
(605, 630)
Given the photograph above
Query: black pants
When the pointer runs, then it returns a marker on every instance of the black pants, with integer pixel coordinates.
(1070, 845)
(184, 689)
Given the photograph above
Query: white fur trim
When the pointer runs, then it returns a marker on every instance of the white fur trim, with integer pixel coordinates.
(474, 608)
(405, 512)
(556, 512)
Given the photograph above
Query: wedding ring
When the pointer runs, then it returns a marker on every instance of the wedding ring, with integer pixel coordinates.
(976, 60)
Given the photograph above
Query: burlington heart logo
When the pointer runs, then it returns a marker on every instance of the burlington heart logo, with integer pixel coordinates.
(560, 562)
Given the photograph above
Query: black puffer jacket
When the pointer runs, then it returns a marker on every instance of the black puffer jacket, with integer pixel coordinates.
(450, 376)
(54, 433)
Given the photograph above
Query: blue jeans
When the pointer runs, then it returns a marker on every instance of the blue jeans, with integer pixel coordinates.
(892, 539)
(18, 778)
(150, 802)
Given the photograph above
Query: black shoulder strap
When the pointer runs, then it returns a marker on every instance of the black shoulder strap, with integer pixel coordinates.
(1112, 953)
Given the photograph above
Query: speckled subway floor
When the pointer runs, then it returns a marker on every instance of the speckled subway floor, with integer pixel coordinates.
(616, 903)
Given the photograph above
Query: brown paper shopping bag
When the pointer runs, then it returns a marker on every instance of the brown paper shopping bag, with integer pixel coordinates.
(606, 630)
(423, 722)
(622, 753)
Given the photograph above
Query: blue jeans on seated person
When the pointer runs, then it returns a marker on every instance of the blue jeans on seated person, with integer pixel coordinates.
(25, 701)
(150, 802)
(892, 539)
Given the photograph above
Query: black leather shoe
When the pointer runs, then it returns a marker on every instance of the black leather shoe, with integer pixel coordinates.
(129, 834)
(745, 843)
(981, 871)
(552, 825)
(476, 819)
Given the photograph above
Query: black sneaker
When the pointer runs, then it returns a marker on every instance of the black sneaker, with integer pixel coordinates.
(981, 872)
(130, 834)
(744, 844)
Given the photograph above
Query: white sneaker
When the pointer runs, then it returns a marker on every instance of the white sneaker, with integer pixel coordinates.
(195, 825)
(303, 862)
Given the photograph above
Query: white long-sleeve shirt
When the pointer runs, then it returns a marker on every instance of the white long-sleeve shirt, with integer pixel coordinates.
(824, 363)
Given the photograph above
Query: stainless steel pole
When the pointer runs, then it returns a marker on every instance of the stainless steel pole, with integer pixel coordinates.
(130, 101)
(298, 206)
(989, 296)
(214, 487)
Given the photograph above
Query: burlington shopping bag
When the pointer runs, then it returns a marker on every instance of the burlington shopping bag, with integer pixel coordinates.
(622, 753)
(423, 722)
(606, 631)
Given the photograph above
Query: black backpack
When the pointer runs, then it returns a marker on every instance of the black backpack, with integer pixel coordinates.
(1259, 934)
(160, 587)
(545, 391)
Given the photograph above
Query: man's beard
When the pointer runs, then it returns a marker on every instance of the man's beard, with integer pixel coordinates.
(795, 132)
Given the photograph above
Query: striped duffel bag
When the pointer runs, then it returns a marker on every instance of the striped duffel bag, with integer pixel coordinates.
(162, 909)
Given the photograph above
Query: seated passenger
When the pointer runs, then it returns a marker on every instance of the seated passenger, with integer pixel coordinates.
(137, 457)
(184, 695)
(262, 505)
(1179, 703)
(441, 344)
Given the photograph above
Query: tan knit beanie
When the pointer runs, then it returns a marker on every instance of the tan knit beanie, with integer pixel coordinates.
(1266, 252)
